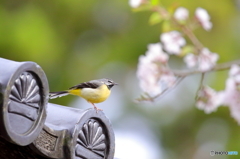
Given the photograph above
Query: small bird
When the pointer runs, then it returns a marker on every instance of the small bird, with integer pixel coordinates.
(95, 91)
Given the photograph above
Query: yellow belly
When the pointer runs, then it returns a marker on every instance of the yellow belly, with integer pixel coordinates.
(97, 95)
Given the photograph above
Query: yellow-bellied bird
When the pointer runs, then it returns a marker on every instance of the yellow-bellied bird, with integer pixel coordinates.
(95, 91)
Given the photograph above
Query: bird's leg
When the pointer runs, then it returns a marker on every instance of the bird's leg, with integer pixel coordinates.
(96, 108)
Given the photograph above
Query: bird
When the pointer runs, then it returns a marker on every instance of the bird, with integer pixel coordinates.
(94, 91)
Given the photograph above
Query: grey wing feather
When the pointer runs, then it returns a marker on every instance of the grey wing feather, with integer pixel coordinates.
(90, 84)
(53, 95)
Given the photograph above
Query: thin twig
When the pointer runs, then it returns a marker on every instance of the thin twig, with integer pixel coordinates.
(218, 67)
(200, 85)
(192, 37)
(164, 92)
(189, 34)
(167, 90)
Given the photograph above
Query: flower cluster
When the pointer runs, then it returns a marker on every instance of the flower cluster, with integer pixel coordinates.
(172, 42)
(154, 74)
(204, 19)
(209, 100)
(181, 13)
(153, 71)
(201, 15)
(205, 60)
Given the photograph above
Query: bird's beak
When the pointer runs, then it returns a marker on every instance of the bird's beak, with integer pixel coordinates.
(115, 83)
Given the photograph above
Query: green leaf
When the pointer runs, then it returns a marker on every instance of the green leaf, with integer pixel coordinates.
(155, 18)
(155, 2)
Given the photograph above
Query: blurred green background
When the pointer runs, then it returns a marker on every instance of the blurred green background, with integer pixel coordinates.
(76, 41)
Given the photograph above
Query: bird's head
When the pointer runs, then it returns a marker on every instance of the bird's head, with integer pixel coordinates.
(109, 83)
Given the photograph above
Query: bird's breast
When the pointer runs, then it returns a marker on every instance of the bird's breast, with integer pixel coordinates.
(97, 95)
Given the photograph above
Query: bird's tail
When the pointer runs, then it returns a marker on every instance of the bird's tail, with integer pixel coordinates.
(53, 95)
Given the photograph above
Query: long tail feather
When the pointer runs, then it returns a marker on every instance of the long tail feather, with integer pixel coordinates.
(53, 95)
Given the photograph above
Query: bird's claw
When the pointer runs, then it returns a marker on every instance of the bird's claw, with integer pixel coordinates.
(97, 109)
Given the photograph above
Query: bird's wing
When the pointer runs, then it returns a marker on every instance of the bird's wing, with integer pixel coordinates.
(91, 84)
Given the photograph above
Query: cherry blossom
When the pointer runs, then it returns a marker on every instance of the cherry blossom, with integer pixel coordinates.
(147, 74)
(152, 72)
(203, 18)
(167, 79)
(172, 42)
(155, 53)
(135, 3)
(232, 99)
(208, 99)
(232, 92)
(235, 73)
(181, 13)
(191, 60)
(205, 61)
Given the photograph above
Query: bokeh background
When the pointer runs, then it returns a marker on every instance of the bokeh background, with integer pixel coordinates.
(76, 41)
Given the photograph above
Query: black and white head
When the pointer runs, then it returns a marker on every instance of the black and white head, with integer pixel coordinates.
(108, 82)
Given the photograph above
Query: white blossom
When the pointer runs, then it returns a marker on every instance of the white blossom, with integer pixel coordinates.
(181, 13)
(232, 93)
(235, 73)
(208, 100)
(155, 53)
(232, 99)
(191, 60)
(167, 78)
(204, 18)
(135, 3)
(147, 75)
(152, 72)
(172, 42)
(205, 61)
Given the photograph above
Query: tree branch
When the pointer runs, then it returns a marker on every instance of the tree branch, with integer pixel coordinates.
(218, 67)
(182, 74)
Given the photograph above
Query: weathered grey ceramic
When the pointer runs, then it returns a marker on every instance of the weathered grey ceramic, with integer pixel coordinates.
(23, 92)
(74, 134)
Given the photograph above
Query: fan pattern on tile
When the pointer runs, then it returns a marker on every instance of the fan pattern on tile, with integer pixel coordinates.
(92, 137)
(26, 90)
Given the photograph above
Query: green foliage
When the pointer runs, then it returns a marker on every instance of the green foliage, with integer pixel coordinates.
(155, 2)
(155, 18)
